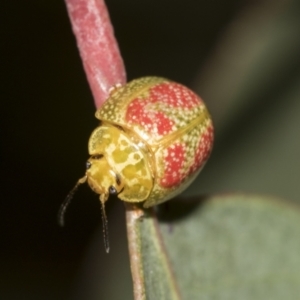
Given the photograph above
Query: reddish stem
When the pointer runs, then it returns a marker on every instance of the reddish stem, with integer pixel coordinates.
(97, 45)
(104, 69)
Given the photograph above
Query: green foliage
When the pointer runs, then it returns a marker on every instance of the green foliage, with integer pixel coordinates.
(226, 247)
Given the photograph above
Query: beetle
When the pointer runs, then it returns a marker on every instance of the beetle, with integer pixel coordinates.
(154, 137)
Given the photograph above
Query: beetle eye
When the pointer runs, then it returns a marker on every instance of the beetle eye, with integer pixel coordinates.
(97, 156)
(88, 165)
(112, 190)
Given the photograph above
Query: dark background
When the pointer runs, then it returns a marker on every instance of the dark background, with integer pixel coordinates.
(47, 115)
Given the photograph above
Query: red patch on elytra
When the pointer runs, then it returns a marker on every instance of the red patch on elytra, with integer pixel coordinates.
(155, 122)
(173, 163)
(150, 111)
(175, 95)
(203, 150)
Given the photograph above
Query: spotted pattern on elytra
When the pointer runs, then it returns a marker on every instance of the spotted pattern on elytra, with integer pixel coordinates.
(140, 115)
(165, 109)
(203, 149)
(174, 95)
(183, 157)
(174, 157)
(172, 124)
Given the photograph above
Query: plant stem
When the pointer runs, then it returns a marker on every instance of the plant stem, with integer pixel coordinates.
(97, 46)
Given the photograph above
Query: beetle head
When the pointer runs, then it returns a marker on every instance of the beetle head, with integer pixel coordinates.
(102, 178)
(104, 181)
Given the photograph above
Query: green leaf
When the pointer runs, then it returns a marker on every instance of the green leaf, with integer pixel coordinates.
(227, 247)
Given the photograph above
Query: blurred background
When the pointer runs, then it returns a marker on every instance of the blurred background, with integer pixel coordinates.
(242, 57)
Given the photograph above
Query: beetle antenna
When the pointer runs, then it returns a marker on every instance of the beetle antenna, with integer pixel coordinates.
(105, 225)
(67, 201)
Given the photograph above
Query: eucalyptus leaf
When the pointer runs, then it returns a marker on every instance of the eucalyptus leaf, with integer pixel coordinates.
(225, 247)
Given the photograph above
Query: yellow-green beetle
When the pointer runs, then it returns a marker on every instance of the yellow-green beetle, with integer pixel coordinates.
(153, 139)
